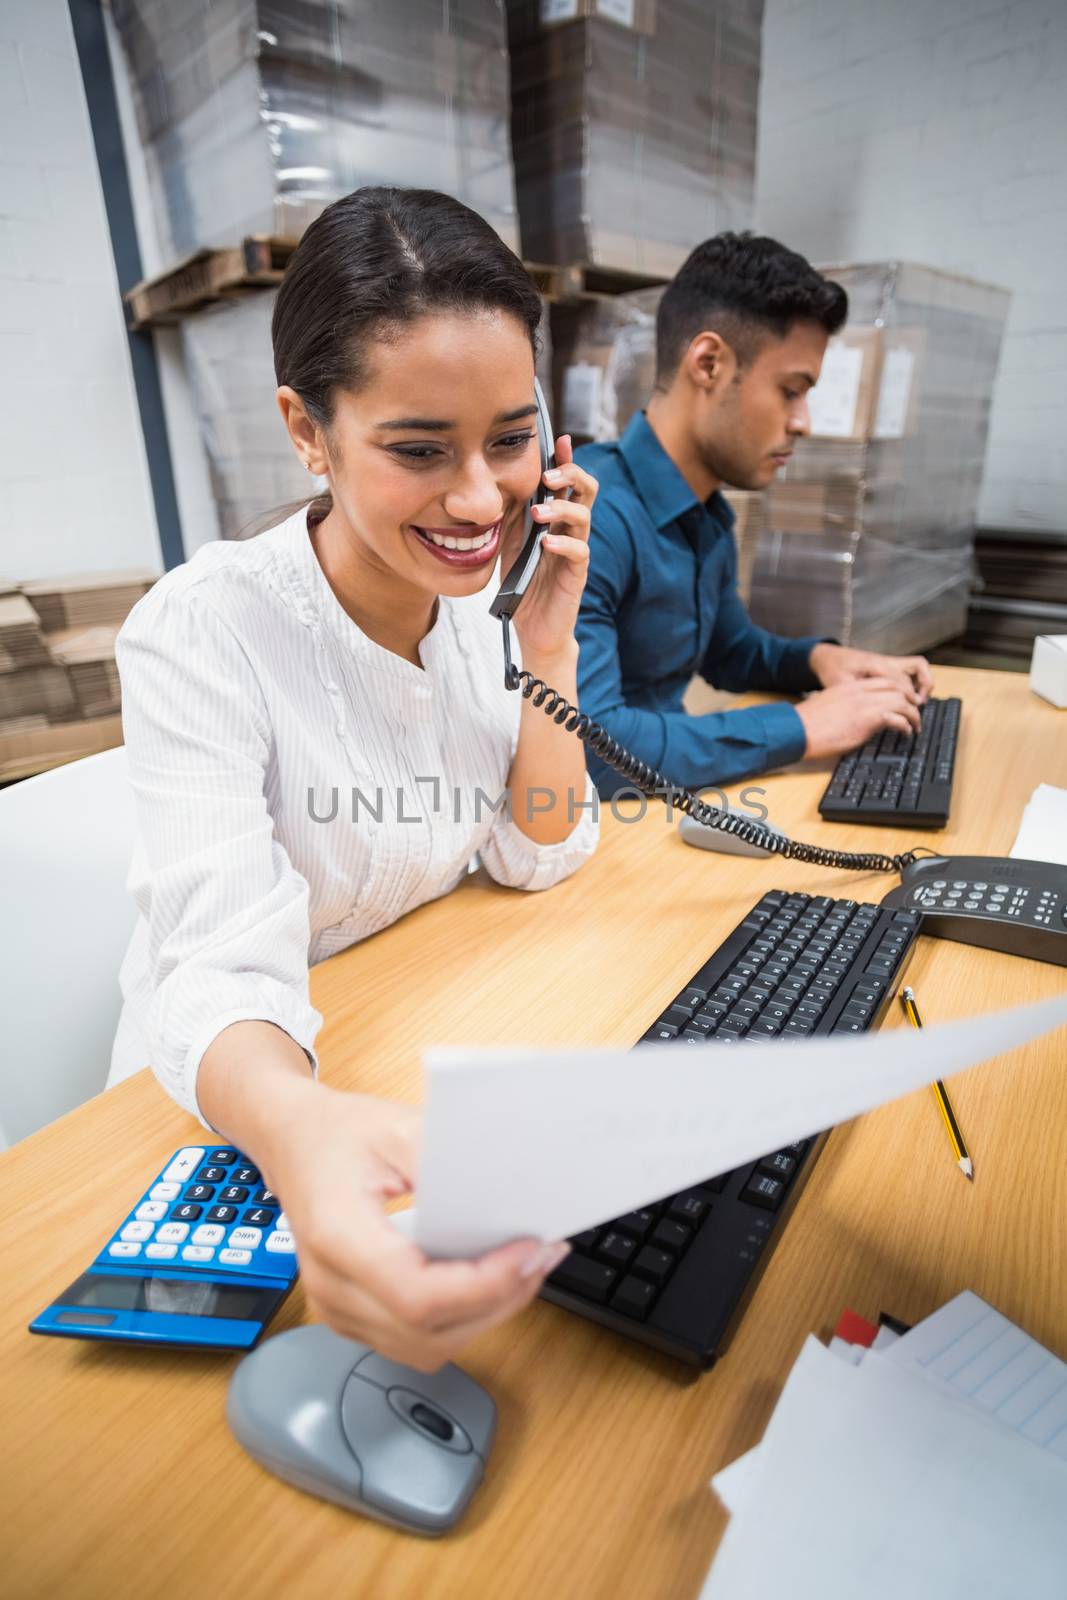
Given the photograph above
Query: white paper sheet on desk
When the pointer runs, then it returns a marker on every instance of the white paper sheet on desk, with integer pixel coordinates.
(1042, 834)
(541, 1144)
(870, 1483)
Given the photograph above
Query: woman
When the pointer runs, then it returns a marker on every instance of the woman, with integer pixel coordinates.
(289, 702)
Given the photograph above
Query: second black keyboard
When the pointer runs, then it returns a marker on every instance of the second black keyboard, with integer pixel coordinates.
(899, 779)
(677, 1274)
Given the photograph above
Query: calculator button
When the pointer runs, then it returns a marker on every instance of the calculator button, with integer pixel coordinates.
(137, 1230)
(161, 1252)
(222, 1214)
(245, 1238)
(222, 1158)
(199, 1191)
(165, 1191)
(129, 1248)
(184, 1165)
(248, 1175)
(186, 1213)
(265, 1197)
(259, 1217)
(172, 1233)
(235, 1195)
(282, 1222)
(151, 1211)
(235, 1258)
(212, 1175)
(197, 1252)
(281, 1243)
(209, 1233)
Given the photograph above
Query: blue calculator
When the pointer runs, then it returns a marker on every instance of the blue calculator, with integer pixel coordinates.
(204, 1258)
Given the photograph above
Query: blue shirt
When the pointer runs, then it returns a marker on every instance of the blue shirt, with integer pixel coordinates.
(660, 604)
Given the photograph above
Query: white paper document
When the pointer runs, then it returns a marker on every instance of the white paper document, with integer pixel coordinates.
(870, 1482)
(1042, 834)
(981, 1356)
(832, 402)
(541, 1144)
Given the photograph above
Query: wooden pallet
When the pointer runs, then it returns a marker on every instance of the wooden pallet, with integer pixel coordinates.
(207, 275)
(579, 282)
(259, 262)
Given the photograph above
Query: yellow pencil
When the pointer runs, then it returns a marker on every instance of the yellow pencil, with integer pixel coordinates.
(952, 1127)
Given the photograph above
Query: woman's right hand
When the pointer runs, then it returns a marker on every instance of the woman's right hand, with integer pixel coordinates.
(334, 1159)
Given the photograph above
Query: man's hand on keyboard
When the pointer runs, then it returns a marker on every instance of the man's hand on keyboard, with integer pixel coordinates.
(845, 716)
(835, 664)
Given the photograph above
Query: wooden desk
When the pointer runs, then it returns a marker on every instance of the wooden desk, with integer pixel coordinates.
(119, 1475)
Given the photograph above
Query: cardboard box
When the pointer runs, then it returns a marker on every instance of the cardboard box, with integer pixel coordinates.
(87, 599)
(1048, 668)
(22, 642)
(33, 745)
(842, 404)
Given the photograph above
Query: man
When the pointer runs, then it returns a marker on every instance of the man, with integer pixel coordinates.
(740, 337)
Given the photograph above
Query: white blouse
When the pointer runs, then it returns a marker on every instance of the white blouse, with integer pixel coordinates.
(298, 787)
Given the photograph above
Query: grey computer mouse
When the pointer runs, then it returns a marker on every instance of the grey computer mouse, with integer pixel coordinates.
(728, 844)
(334, 1418)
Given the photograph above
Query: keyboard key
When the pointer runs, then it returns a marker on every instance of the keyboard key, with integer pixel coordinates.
(617, 1247)
(780, 1165)
(693, 998)
(172, 1233)
(259, 1217)
(199, 1253)
(186, 1213)
(165, 1191)
(209, 1233)
(593, 1280)
(688, 1208)
(636, 1223)
(249, 1175)
(124, 1247)
(280, 1243)
(199, 1191)
(235, 1258)
(222, 1214)
(585, 1240)
(222, 1158)
(762, 1190)
(184, 1165)
(661, 1033)
(655, 1265)
(211, 1175)
(633, 1298)
(234, 1195)
(245, 1238)
(151, 1211)
(672, 1236)
(161, 1252)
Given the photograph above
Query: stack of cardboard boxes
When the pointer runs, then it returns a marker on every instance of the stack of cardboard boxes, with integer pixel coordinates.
(633, 126)
(59, 686)
(256, 114)
(869, 533)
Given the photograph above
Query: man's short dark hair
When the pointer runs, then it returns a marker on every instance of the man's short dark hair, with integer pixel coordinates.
(742, 287)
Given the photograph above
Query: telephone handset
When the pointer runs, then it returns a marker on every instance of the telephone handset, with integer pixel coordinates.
(517, 578)
(1017, 907)
(638, 774)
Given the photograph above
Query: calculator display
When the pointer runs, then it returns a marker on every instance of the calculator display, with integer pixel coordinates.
(190, 1297)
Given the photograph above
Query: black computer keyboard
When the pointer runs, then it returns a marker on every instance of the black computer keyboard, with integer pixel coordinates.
(900, 780)
(676, 1274)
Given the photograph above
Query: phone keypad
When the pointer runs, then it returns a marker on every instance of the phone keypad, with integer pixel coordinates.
(208, 1209)
(1009, 902)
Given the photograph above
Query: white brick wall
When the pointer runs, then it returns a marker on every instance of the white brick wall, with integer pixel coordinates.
(74, 489)
(936, 131)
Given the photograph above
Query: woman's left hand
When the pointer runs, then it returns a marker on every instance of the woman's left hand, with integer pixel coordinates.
(545, 620)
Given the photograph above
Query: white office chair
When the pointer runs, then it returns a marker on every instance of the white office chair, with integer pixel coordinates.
(66, 839)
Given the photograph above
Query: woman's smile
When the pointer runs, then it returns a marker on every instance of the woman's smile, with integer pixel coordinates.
(461, 545)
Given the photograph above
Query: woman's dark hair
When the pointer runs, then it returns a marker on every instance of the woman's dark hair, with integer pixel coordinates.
(745, 288)
(373, 261)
